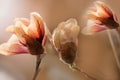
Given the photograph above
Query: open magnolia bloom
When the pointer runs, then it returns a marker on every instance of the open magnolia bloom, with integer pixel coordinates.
(100, 18)
(65, 40)
(28, 36)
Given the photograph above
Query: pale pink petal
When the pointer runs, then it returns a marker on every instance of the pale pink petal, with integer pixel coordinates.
(91, 15)
(115, 17)
(102, 9)
(44, 40)
(23, 20)
(19, 31)
(10, 28)
(13, 47)
(19, 23)
(37, 26)
(92, 27)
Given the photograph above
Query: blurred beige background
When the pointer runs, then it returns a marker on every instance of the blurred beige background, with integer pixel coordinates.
(95, 54)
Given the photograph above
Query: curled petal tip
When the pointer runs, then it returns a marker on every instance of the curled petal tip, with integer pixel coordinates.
(72, 20)
(35, 14)
(98, 2)
(22, 20)
(103, 10)
(37, 25)
(35, 17)
(10, 29)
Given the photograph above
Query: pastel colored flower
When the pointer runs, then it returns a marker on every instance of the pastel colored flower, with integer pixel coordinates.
(28, 36)
(100, 18)
(65, 40)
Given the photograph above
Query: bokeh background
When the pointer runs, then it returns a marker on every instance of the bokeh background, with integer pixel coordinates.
(95, 55)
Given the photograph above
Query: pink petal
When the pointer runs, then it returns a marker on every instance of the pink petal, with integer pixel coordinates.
(12, 47)
(23, 20)
(44, 40)
(19, 31)
(98, 28)
(115, 17)
(93, 26)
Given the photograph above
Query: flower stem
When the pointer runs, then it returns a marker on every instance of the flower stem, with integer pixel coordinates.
(74, 67)
(38, 61)
(114, 39)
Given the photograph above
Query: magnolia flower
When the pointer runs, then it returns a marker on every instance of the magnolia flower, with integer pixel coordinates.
(65, 40)
(28, 36)
(100, 18)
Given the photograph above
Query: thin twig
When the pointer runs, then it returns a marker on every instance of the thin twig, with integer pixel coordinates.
(81, 71)
(38, 61)
(115, 47)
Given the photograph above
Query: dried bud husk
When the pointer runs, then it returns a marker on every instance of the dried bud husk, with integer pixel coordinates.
(68, 52)
(65, 40)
